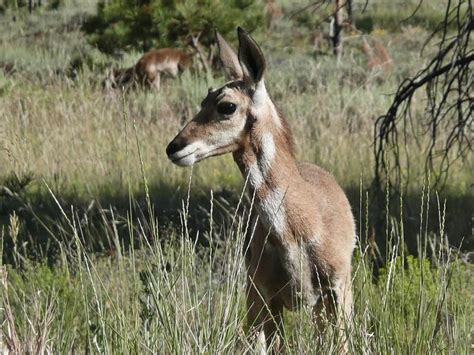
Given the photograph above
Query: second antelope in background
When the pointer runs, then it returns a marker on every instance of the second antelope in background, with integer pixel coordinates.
(148, 70)
(301, 250)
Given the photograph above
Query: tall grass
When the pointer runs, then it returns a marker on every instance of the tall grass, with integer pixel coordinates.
(171, 295)
(102, 254)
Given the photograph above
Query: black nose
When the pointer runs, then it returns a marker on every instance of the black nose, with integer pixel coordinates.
(175, 146)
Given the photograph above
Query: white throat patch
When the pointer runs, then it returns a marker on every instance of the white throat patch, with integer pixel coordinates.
(260, 169)
(273, 211)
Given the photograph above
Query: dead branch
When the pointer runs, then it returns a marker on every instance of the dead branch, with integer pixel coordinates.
(448, 82)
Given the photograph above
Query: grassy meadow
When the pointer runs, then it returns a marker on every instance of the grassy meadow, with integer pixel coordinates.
(107, 247)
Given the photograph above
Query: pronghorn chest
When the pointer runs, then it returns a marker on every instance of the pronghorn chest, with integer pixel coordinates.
(282, 272)
(272, 211)
(280, 265)
(280, 259)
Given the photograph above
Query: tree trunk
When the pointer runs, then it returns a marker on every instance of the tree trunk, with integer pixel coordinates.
(200, 51)
(350, 13)
(336, 29)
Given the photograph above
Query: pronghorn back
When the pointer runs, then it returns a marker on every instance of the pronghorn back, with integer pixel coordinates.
(170, 61)
(149, 68)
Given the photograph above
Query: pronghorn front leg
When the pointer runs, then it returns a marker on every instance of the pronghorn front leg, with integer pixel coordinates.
(265, 321)
(274, 329)
(156, 82)
(256, 314)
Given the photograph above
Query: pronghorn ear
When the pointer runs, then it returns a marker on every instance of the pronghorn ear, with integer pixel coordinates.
(251, 57)
(229, 59)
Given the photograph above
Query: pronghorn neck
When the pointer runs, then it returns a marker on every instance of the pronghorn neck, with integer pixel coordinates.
(267, 161)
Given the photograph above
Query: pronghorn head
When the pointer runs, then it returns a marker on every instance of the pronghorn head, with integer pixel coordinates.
(223, 123)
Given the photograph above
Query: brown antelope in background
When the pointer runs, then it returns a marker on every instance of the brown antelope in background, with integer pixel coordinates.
(272, 13)
(300, 253)
(148, 70)
(377, 55)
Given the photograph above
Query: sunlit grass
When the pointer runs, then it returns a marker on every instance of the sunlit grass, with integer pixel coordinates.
(174, 296)
(94, 258)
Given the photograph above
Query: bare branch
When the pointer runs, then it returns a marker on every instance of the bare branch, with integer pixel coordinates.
(448, 82)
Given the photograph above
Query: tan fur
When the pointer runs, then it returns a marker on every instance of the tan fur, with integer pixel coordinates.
(148, 70)
(273, 13)
(377, 56)
(300, 253)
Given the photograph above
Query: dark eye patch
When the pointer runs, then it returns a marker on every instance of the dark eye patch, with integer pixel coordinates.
(226, 108)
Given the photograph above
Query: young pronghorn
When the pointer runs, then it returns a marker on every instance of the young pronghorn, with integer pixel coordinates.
(150, 67)
(301, 251)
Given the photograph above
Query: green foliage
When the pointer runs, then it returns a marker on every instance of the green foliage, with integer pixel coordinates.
(145, 24)
(416, 301)
(45, 300)
(175, 297)
(53, 282)
(410, 282)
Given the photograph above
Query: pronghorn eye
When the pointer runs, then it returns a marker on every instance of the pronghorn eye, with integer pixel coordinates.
(226, 108)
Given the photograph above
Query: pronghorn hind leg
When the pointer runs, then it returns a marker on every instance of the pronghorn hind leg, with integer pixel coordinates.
(334, 309)
(324, 311)
(274, 329)
(343, 291)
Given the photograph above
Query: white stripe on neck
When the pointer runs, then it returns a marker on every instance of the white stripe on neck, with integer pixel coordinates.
(273, 212)
(259, 170)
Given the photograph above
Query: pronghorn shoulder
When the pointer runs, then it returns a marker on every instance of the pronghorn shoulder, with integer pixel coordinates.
(320, 179)
(311, 172)
(324, 186)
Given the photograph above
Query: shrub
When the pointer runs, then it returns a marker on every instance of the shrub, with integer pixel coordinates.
(144, 24)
